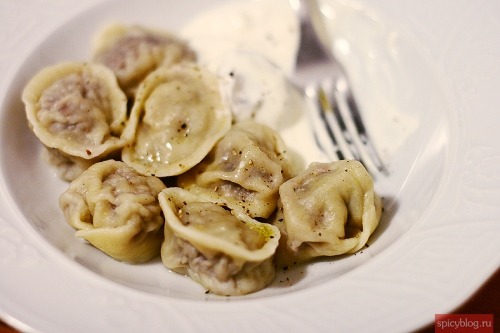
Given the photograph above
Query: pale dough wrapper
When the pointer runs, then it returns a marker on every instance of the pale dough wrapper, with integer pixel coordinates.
(227, 252)
(330, 209)
(244, 170)
(77, 108)
(116, 210)
(66, 167)
(177, 117)
(132, 52)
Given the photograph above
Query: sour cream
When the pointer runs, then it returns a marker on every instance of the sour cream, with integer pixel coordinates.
(252, 46)
(253, 51)
(264, 27)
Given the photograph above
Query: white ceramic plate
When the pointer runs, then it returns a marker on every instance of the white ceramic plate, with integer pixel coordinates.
(427, 76)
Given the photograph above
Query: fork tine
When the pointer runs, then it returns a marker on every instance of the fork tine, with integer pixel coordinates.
(327, 105)
(324, 137)
(337, 124)
(334, 120)
(351, 117)
(339, 130)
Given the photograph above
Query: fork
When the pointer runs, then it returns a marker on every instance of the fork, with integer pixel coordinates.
(338, 127)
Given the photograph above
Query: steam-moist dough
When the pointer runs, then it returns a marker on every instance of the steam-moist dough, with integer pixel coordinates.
(244, 170)
(228, 253)
(177, 117)
(116, 210)
(132, 52)
(329, 209)
(77, 108)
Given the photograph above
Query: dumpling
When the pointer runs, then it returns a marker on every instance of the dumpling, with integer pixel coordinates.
(327, 210)
(116, 210)
(77, 108)
(228, 253)
(132, 52)
(177, 117)
(66, 167)
(244, 170)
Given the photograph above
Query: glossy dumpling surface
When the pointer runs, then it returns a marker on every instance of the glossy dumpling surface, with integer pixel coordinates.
(77, 108)
(244, 170)
(132, 52)
(116, 210)
(329, 209)
(228, 253)
(177, 117)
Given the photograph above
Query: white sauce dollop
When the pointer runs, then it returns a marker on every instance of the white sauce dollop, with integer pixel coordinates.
(253, 51)
(252, 47)
(264, 27)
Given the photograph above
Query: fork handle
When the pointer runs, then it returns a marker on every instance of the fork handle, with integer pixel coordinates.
(311, 21)
(312, 46)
